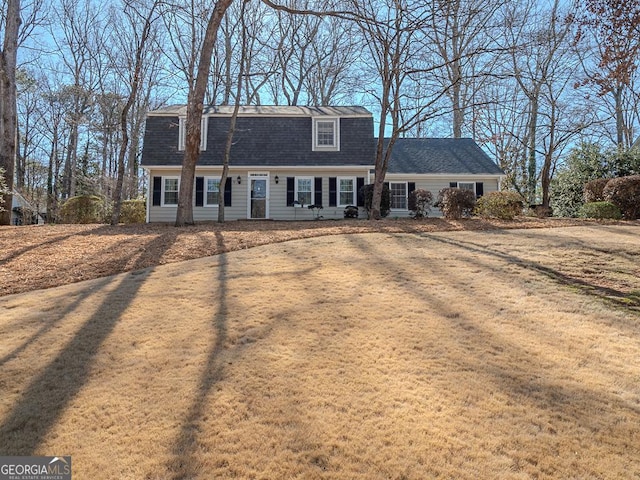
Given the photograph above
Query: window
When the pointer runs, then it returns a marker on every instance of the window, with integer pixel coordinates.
(346, 191)
(212, 188)
(467, 186)
(182, 133)
(304, 190)
(398, 195)
(326, 134)
(170, 188)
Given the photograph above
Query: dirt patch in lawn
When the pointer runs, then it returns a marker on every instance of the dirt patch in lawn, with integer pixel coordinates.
(37, 257)
(485, 354)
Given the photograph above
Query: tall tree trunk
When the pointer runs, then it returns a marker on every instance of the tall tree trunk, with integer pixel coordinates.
(8, 107)
(531, 161)
(70, 163)
(234, 118)
(184, 214)
(50, 198)
(124, 116)
(620, 123)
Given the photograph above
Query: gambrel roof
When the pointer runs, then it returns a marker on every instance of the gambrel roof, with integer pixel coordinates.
(265, 136)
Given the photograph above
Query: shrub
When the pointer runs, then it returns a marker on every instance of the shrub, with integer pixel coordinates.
(351, 211)
(585, 163)
(625, 193)
(600, 210)
(366, 193)
(133, 211)
(456, 203)
(502, 205)
(594, 190)
(420, 202)
(84, 209)
(540, 211)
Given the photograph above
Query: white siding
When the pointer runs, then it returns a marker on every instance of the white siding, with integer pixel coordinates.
(436, 183)
(278, 209)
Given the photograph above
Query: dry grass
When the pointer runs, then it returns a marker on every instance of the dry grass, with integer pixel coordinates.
(488, 354)
(47, 256)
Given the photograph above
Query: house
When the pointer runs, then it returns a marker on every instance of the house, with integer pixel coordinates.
(287, 159)
(23, 213)
(436, 163)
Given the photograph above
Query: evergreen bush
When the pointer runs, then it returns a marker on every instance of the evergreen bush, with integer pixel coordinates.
(600, 210)
(502, 205)
(84, 209)
(133, 211)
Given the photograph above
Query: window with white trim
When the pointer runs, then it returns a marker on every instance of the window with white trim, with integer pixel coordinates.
(398, 191)
(182, 133)
(170, 189)
(304, 190)
(346, 191)
(326, 134)
(212, 189)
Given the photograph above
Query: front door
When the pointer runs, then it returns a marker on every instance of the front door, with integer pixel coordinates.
(258, 196)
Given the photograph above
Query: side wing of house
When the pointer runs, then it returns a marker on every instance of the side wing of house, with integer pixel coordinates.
(436, 163)
(283, 161)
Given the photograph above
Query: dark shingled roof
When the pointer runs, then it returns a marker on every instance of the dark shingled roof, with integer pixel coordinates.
(263, 140)
(440, 156)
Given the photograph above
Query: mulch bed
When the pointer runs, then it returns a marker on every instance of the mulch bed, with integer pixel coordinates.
(36, 257)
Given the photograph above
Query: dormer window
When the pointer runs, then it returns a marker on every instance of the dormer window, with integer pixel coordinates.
(326, 134)
(182, 133)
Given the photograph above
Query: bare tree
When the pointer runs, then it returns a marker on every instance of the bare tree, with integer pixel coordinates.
(234, 117)
(80, 25)
(612, 28)
(28, 103)
(8, 107)
(140, 18)
(461, 32)
(535, 50)
(331, 74)
(56, 103)
(393, 33)
(184, 214)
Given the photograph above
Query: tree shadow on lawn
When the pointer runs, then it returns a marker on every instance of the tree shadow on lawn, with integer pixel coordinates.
(183, 463)
(610, 296)
(48, 395)
(510, 367)
(46, 328)
(13, 254)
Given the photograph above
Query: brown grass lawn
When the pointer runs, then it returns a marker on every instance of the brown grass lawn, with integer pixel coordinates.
(510, 354)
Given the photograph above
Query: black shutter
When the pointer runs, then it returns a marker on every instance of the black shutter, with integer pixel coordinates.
(479, 189)
(333, 191)
(411, 186)
(317, 191)
(227, 192)
(199, 191)
(453, 184)
(291, 191)
(157, 191)
(359, 193)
